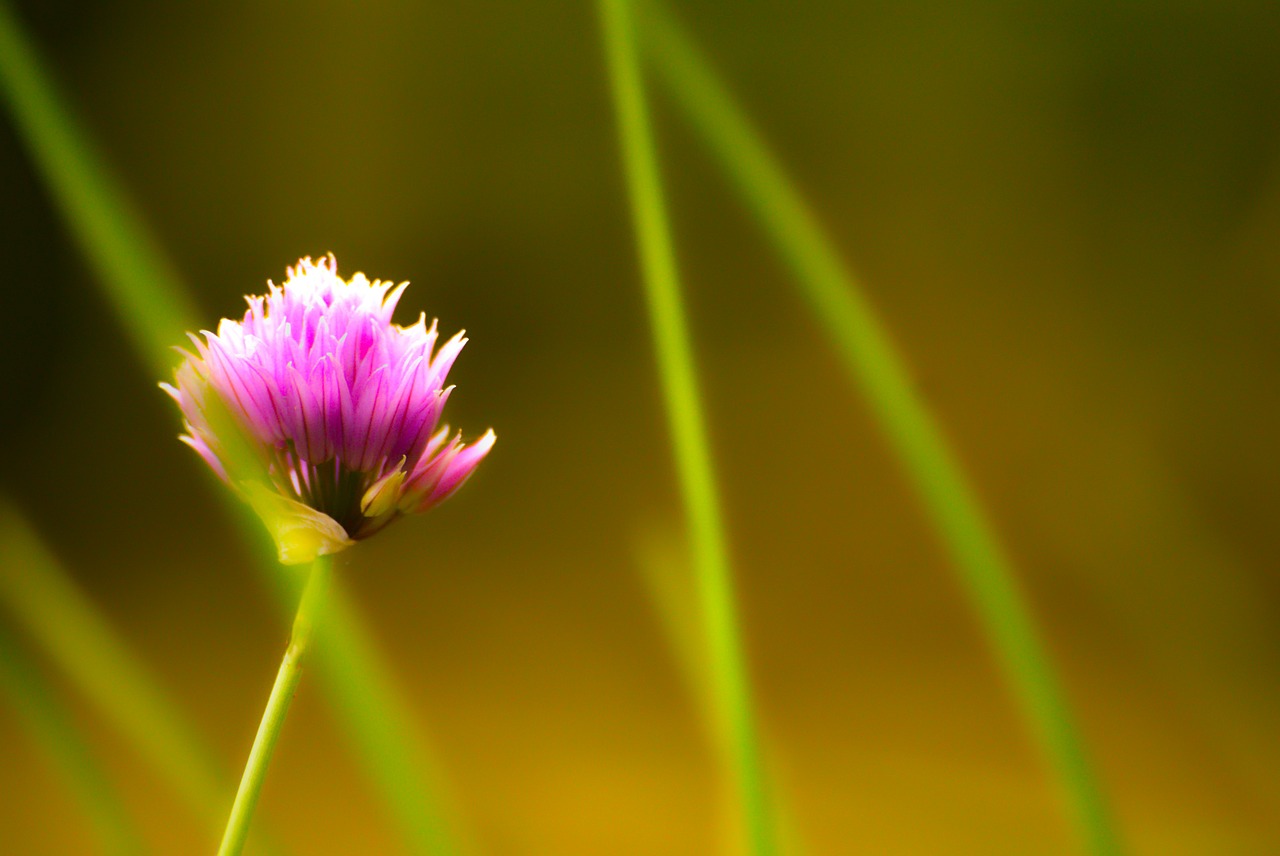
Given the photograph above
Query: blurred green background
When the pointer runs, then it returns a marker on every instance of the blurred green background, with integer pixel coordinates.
(1067, 214)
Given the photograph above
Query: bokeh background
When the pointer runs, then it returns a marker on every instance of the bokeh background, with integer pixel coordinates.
(1067, 214)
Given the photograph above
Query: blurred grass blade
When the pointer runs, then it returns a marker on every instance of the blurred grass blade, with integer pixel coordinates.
(730, 684)
(663, 562)
(662, 559)
(137, 279)
(376, 714)
(155, 312)
(56, 613)
(53, 729)
(876, 368)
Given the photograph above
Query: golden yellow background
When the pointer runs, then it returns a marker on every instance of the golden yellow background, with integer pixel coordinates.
(1066, 212)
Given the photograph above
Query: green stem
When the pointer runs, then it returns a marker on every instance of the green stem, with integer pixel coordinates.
(731, 688)
(877, 369)
(255, 771)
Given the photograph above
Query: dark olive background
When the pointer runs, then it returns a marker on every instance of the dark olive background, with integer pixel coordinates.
(1066, 212)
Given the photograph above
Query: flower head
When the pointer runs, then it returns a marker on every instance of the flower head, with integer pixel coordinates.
(322, 412)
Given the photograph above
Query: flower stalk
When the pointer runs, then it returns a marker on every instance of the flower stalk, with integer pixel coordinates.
(310, 609)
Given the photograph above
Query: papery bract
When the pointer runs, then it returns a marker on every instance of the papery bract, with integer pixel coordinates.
(322, 412)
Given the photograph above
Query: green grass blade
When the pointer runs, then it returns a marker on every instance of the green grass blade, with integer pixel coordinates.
(155, 312)
(870, 358)
(136, 277)
(730, 683)
(377, 716)
(662, 560)
(53, 610)
(663, 564)
(51, 726)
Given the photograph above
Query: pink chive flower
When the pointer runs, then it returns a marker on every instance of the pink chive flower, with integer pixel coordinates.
(335, 407)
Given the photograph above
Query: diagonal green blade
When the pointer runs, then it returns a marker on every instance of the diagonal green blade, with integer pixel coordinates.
(40, 596)
(876, 368)
(50, 725)
(138, 281)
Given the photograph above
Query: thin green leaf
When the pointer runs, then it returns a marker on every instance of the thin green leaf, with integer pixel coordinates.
(52, 609)
(51, 726)
(663, 562)
(379, 721)
(874, 365)
(137, 279)
(731, 691)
